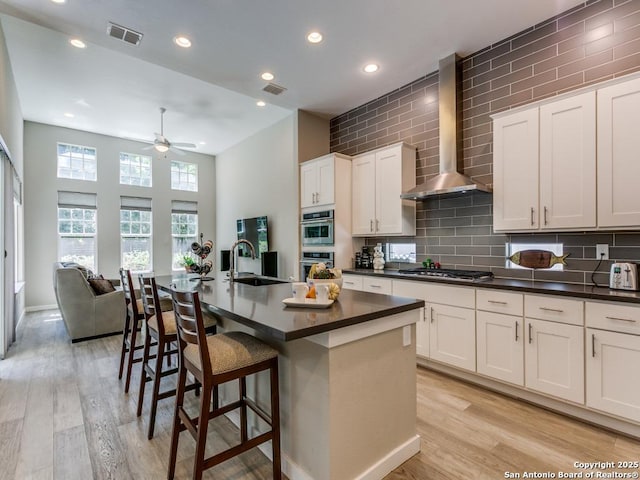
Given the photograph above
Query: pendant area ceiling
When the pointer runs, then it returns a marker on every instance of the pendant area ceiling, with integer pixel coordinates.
(210, 90)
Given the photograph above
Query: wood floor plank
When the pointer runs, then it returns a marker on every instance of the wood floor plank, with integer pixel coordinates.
(10, 434)
(71, 458)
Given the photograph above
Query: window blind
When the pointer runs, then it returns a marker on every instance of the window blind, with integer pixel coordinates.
(135, 203)
(77, 199)
(182, 206)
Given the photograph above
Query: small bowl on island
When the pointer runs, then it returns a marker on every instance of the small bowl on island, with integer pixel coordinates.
(319, 273)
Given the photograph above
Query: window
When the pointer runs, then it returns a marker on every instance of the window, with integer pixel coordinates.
(184, 230)
(77, 228)
(184, 176)
(135, 169)
(513, 248)
(135, 233)
(77, 162)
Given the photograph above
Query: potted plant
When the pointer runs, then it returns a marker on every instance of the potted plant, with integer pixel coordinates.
(188, 262)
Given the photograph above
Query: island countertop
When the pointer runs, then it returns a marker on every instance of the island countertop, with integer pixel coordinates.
(261, 307)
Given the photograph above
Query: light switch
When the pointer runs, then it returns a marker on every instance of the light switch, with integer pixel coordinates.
(406, 335)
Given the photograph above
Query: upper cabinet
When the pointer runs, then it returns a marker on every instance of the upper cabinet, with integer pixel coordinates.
(379, 177)
(565, 165)
(618, 165)
(317, 185)
(545, 167)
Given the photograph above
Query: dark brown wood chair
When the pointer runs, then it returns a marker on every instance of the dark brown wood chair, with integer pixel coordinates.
(215, 360)
(160, 330)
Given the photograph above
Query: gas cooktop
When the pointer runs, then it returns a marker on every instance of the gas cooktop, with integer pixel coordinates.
(473, 275)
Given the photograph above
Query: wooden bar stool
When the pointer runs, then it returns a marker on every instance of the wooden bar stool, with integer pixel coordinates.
(161, 331)
(212, 361)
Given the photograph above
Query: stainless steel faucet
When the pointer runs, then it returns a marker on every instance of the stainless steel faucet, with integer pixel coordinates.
(232, 256)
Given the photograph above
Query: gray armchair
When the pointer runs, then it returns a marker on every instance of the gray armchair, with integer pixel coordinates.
(85, 314)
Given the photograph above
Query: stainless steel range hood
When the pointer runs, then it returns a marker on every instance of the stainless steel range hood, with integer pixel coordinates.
(449, 181)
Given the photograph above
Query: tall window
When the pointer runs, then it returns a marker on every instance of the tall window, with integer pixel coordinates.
(135, 233)
(135, 169)
(77, 162)
(77, 228)
(184, 176)
(184, 230)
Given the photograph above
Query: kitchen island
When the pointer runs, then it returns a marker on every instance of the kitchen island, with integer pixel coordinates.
(347, 375)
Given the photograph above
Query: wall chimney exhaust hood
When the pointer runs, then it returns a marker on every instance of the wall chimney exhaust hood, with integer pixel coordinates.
(449, 181)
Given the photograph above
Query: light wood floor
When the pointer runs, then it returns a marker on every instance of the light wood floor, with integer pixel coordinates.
(63, 416)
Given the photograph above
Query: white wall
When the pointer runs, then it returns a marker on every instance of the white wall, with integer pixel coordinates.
(40, 192)
(11, 124)
(259, 176)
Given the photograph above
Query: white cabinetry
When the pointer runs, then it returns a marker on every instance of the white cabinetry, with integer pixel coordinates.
(352, 282)
(545, 166)
(618, 166)
(452, 335)
(409, 289)
(379, 177)
(318, 178)
(499, 335)
(554, 351)
(613, 384)
(376, 285)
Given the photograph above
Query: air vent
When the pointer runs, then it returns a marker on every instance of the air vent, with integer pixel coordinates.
(125, 34)
(274, 89)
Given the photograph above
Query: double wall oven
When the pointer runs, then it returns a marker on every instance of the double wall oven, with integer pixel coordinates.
(309, 258)
(317, 234)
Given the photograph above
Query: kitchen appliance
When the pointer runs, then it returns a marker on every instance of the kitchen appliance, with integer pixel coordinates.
(448, 180)
(309, 258)
(317, 228)
(624, 276)
(473, 275)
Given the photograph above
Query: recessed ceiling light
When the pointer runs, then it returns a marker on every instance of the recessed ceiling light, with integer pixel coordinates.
(314, 37)
(182, 41)
(58, 1)
(203, 143)
(69, 115)
(268, 76)
(76, 42)
(260, 103)
(370, 68)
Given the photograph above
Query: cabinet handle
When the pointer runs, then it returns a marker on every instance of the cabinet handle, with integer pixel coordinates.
(622, 319)
(431, 314)
(516, 330)
(317, 197)
(545, 215)
(530, 334)
(593, 344)
(532, 223)
(313, 197)
(377, 224)
(498, 302)
(371, 225)
(547, 309)
(375, 286)
(349, 283)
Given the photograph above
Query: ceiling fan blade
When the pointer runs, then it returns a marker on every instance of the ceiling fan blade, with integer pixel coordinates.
(184, 145)
(148, 147)
(176, 150)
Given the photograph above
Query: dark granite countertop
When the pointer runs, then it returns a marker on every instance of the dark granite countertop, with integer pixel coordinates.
(526, 286)
(261, 307)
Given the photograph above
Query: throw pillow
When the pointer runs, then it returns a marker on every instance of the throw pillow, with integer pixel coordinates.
(101, 285)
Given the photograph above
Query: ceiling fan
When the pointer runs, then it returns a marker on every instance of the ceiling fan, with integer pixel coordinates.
(162, 144)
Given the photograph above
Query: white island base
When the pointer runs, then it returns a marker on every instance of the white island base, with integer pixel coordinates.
(347, 399)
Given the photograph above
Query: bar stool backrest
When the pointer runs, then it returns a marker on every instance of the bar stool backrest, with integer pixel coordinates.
(129, 292)
(186, 306)
(149, 295)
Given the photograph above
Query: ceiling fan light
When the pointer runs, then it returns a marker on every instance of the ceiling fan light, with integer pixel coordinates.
(161, 147)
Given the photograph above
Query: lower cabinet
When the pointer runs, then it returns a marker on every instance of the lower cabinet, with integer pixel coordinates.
(452, 335)
(554, 359)
(500, 346)
(352, 282)
(613, 384)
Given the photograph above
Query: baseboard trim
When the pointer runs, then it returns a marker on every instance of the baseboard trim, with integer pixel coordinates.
(38, 308)
(392, 460)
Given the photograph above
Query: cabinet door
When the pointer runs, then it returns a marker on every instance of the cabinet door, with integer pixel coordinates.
(613, 384)
(388, 218)
(308, 184)
(410, 289)
(422, 335)
(554, 359)
(500, 348)
(618, 166)
(568, 163)
(377, 285)
(452, 335)
(352, 282)
(363, 194)
(515, 171)
(325, 193)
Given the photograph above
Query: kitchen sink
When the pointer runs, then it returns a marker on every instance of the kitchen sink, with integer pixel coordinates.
(258, 281)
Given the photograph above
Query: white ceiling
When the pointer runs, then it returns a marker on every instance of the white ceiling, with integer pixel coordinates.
(210, 90)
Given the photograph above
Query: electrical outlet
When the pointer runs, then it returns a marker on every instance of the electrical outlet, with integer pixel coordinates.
(602, 251)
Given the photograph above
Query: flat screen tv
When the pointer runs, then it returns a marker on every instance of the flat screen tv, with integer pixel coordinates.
(254, 230)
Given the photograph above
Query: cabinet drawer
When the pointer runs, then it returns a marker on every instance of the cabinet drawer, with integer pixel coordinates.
(499, 301)
(352, 282)
(554, 309)
(377, 285)
(446, 295)
(613, 316)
